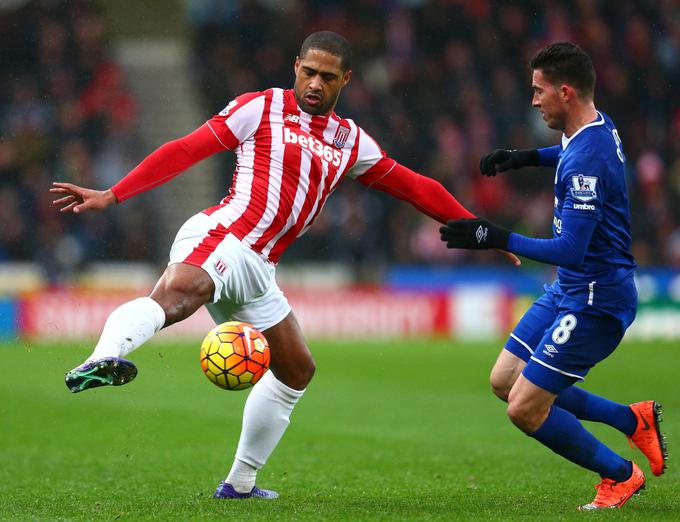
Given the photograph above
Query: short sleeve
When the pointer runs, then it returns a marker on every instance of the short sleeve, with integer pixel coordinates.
(239, 120)
(584, 187)
(370, 157)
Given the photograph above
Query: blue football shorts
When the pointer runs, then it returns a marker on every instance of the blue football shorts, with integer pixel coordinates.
(561, 343)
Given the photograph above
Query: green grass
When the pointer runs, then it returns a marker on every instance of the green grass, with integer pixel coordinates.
(386, 431)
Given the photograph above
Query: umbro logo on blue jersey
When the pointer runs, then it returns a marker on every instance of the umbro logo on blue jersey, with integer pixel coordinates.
(550, 350)
(583, 206)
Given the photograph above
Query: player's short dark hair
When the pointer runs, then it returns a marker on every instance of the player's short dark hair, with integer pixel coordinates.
(565, 62)
(332, 43)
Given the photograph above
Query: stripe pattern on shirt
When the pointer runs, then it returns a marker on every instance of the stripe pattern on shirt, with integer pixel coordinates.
(288, 163)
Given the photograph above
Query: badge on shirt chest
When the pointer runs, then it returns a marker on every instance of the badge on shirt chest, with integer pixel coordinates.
(583, 187)
(340, 137)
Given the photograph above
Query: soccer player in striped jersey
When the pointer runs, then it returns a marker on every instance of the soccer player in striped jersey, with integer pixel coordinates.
(292, 151)
(584, 314)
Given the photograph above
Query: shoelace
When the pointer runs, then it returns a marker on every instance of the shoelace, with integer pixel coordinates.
(605, 489)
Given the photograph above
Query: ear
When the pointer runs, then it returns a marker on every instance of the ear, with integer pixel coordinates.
(346, 77)
(296, 67)
(567, 92)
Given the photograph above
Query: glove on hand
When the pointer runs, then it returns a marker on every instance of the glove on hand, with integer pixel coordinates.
(501, 160)
(474, 234)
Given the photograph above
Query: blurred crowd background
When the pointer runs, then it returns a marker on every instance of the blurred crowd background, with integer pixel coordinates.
(66, 115)
(436, 83)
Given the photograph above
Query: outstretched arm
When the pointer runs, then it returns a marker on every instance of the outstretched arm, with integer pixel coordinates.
(501, 160)
(157, 168)
(548, 156)
(425, 194)
(567, 250)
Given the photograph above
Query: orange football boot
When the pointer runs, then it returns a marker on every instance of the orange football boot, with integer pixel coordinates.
(648, 437)
(611, 494)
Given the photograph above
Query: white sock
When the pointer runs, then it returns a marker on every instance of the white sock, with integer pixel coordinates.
(242, 476)
(265, 419)
(128, 326)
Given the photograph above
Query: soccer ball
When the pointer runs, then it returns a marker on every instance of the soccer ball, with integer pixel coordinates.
(234, 355)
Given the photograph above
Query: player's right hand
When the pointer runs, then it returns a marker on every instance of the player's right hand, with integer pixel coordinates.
(79, 199)
(497, 161)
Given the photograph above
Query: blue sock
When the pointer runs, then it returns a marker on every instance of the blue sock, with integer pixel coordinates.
(566, 436)
(591, 407)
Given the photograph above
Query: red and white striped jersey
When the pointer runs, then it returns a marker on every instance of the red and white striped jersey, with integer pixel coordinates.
(287, 164)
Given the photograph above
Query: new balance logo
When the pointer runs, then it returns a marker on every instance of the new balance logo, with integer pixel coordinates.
(293, 118)
(481, 234)
(225, 111)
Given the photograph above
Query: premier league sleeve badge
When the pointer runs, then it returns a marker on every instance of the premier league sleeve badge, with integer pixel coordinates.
(584, 187)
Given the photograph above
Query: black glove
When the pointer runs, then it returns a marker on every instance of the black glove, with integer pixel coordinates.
(501, 160)
(474, 234)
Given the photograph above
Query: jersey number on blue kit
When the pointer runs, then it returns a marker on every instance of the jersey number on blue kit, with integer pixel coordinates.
(562, 333)
(617, 139)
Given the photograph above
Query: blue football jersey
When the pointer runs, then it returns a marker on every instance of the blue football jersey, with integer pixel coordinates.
(590, 183)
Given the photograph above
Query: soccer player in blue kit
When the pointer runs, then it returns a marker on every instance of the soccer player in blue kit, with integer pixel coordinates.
(584, 314)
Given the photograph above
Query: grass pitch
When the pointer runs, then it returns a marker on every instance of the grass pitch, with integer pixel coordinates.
(387, 431)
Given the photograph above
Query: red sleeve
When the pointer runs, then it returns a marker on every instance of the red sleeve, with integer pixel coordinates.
(167, 161)
(425, 194)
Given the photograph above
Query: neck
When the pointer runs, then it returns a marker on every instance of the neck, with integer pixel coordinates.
(581, 115)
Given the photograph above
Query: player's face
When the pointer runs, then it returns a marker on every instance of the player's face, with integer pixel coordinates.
(550, 100)
(319, 78)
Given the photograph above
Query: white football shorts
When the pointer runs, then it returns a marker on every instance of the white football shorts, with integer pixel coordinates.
(245, 284)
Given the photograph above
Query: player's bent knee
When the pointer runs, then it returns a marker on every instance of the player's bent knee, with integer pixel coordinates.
(520, 417)
(309, 371)
(300, 376)
(180, 297)
(177, 305)
(296, 374)
(516, 417)
(500, 390)
(500, 386)
(525, 418)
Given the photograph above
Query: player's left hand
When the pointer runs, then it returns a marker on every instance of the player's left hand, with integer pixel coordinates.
(474, 234)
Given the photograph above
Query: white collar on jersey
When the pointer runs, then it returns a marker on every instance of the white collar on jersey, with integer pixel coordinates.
(566, 141)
